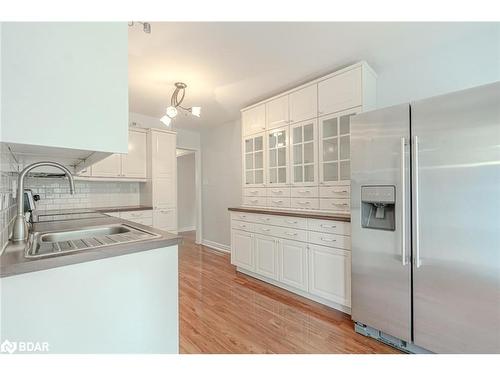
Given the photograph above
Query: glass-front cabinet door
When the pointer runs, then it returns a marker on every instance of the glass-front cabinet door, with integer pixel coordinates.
(277, 156)
(253, 160)
(334, 149)
(304, 155)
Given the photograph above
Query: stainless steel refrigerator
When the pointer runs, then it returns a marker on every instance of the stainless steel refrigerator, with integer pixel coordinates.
(426, 222)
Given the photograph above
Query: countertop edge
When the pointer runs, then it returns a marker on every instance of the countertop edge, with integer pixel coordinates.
(310, 215)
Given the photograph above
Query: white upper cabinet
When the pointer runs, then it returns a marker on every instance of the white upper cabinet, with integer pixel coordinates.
(277, 156)
(134, 162)
(65, 85)
(108, 167)
(340, 92)
(304, 104)
(303, 154)
(277, 112)
(253, 160)
(164, 159)
(253, 120)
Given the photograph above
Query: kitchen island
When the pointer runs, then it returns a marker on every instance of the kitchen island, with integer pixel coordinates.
(121, 298)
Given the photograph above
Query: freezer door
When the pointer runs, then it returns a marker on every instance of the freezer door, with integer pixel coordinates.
(456, 247)
(381, 295)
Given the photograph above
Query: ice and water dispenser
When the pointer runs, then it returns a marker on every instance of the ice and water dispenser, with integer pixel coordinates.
(378, 206)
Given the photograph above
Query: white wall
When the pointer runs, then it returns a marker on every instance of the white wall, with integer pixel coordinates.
(186, 193)
(466, 63)
(221, 169)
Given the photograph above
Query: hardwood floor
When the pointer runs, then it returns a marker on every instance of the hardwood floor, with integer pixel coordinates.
(223, 311)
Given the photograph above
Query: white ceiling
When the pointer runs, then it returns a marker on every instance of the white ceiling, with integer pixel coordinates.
(228, 66)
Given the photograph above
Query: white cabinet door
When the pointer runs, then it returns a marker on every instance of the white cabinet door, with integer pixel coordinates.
(293, 264)
(253, 120)
(163, 155)
(253, 160)
(277, 112)
(165, 219)
(304, 104)
(277, 156)
(164, 193)
(266, 256)
(242, 250)
(340, 92)
(134, 163)
(108, 167)
(330, 274)
(334, 148)
(303, 154)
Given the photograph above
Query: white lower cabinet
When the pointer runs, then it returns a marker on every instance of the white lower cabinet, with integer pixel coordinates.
(293, 264)
(165, 219)
(309, 256)
(242, 245)
(266, 256)
(330, 273)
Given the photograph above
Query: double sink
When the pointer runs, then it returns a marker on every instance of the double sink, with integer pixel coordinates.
(82, 237)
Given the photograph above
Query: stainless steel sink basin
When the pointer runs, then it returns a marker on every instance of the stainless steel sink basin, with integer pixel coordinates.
(45, 244)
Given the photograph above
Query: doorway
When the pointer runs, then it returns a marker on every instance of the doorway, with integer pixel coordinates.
(188, 194)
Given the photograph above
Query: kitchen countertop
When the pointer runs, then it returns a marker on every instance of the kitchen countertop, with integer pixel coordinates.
(13, 262)
(123, 208)
(306, 214)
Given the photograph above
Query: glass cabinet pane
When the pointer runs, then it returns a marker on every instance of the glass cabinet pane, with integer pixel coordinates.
(330, 172)
(272, 158)
(309, 173)
(272, 140)
(330, 128)
(281, 135)
(259, 160)
(309, 152)
(282, 157)
(258, 143)
(345, 147)
(282, 175)
(330, 149)
(344, 125)
(273, 175)
(259, 176)
(345, 170)
(297, 135)
(248, 161)
(308, 132)
(297, 154)
(249, 145)
(249, 177)
(297, 174)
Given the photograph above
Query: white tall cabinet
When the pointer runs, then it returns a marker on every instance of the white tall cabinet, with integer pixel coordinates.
(160, 190)
(305, 135)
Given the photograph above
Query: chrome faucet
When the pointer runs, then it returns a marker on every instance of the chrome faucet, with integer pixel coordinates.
(20, 229)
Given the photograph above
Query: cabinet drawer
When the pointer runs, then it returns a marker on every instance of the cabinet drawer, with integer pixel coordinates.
(275, 231)
(283, 221)
(131, 215)
(305, 192)
(254, 192)
(335, 191)
(278, 202)
(243, 216)
(330, 240)
(254, 201)
(330, 204)
(329, 226)
(242, 225)
(144, 221)
(306, 203)
(278, 192)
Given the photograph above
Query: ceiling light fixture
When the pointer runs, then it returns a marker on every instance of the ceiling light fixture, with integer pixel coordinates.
(175, 104)
(146, 26)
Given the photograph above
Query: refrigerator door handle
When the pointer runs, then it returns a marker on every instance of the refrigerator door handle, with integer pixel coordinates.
(403, 202)
(415, 218)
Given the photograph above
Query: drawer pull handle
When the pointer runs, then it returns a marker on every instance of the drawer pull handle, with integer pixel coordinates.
(340, 191)
(328, 240)
(265, 230)
(291, 222)
(277, 191)
(242, 226)
(277, 202)
(340, 204)
(264, 218)
(304, 191)
(254, 192)
(304, 203)
(254, 200)
(242, 216)
(291, 234)
(328, 226)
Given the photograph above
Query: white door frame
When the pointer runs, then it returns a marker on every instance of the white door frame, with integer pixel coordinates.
(197, 179)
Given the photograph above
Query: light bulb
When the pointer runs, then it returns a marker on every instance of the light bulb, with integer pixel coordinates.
(166, 120)
(171, 111)
(196, 111)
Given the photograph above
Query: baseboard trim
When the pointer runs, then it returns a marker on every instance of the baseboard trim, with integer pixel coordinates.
(187, 229)
(216, 246)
